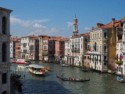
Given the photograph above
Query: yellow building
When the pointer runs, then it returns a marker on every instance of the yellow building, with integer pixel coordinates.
(103, 39)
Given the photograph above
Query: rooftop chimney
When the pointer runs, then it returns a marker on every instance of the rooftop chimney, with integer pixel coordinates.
(113, 21)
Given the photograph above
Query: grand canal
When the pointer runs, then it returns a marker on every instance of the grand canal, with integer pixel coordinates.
(50, 84)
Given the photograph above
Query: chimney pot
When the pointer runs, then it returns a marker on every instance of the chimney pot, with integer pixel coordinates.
(113, 19)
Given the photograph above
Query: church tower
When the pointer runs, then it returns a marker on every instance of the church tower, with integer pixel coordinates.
(75, 26)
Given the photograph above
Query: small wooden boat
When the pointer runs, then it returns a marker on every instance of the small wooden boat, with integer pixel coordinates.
(72, 79)
(85, 70)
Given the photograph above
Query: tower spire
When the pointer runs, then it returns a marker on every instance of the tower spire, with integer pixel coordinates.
(75, 26)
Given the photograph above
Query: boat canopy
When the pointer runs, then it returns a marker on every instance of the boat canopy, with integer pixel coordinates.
(35, 66)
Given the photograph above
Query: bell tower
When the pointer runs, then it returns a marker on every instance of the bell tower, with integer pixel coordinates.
(75, 26)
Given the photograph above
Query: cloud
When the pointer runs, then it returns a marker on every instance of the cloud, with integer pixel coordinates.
(30, 27)
(48, 31)
(69, 24)
(86, 28)
(28, 23)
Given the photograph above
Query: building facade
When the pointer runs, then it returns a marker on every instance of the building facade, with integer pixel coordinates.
(30, 48)
(98, 48)
(5, 51)
(60, 49)
(74, 47)
(15, 47)
(120, 64)
(46, 48)
(51, 48)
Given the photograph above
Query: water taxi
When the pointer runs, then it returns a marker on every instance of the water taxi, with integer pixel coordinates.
(36, 69)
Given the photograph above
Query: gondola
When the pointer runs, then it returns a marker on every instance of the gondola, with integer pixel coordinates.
(72, 79)
(85, 70)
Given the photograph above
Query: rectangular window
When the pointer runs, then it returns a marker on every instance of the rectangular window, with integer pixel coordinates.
(4, 78)
(24, 44)
(31, 47)
(24, 51)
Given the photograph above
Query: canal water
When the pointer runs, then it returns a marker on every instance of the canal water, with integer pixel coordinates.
(50, 84)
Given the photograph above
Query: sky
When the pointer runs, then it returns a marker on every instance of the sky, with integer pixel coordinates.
(55, 17)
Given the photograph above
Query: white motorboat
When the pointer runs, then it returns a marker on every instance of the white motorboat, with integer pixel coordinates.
(36, 69)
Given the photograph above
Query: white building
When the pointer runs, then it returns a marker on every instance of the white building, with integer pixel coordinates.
(25, 47)
(29, 47)
(67, 51)
(74, 47)
(5, 51)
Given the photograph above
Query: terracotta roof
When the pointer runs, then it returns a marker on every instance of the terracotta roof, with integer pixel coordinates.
(117, 23)
(14, 39)
(56, 38)
(30, 36)
(87, 34)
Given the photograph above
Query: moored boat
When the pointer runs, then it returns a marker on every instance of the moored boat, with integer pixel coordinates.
(19, 61)
(120, 79)
(36, 69)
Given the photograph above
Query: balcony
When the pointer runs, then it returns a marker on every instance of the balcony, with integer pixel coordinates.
(119, 62)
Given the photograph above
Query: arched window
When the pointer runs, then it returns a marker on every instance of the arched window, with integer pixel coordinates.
(4, 25)
(4, 48)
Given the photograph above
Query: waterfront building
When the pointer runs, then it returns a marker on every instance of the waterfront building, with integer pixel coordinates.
(103, 39)
(34, 48)
(67, 51)
(46, 48)
(5, 51)
(15, 45)
(98, 47)
(29, 47)
(51, 48)
(86, 48)
(120, 63)
(75, 55)
(59, 49)
(115, 49)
